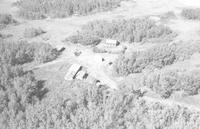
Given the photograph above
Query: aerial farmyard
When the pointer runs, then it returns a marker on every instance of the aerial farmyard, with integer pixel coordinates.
(99, 64)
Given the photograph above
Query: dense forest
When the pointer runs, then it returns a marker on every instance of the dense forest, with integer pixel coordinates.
(163, 81)
(191, 14)
(156, 57)
(88, 106)
(40, 9)
(20, 88)
(132, 30)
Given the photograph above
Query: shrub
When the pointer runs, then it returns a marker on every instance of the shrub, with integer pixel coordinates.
(16, 53)
(18, 90)
(191, 14)
(168, 15)
(22, 52)
(33, 32)
(156, 57)
(39, 9)
(133, 30)
(91, 108)
(97, 50)
(84, 39)
(165, 82)
(45, 53)
(184, 50)
(6, 19)
(4, 36)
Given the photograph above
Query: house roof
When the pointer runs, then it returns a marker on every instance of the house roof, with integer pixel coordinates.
(111, 41)
(80, 75)
(72, 71)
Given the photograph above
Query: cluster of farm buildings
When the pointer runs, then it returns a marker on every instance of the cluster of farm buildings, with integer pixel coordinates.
(77, 71)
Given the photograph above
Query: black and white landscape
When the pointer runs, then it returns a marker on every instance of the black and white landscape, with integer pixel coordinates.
(99, 64)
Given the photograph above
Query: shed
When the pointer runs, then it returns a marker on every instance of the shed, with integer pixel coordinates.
(72, 71)
(81, 75)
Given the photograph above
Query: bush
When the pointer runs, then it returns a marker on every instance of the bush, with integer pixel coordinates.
(97, 50)
(156, 57)
(89, 107)
(6, 19)
(33, 32)
(45, 53)
(18, 90)
(16, 53)
(165, 82)
(39, 9)
(133, 30)
(84, 39)
(168, 15)
(22, 52)
(191, 14)
(4, 36)
(184, 50)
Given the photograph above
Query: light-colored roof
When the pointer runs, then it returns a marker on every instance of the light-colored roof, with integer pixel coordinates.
(72, 71)
(80, 75)
(111, 41)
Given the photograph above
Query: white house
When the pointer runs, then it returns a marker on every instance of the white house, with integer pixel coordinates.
(111, 43)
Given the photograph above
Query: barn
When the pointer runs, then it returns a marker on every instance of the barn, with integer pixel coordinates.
(73, 70)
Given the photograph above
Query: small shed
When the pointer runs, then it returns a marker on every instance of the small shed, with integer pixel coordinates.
(72, 71)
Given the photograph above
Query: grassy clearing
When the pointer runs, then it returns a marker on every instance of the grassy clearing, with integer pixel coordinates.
(40, 9)
(33, 32)
(133, 30)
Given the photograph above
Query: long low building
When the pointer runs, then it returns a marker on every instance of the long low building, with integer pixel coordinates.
(73, 70)
(110, 46)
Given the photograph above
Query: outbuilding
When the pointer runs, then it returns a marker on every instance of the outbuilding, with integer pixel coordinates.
(81, 75)
(72, 71)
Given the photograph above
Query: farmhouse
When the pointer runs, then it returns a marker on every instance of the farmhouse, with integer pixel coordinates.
(110, 43)
(73, 70)
(109, 46)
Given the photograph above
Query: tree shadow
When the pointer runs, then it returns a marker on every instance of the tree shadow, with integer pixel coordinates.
(41, 93)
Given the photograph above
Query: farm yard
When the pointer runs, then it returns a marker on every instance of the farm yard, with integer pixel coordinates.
(99, 64)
